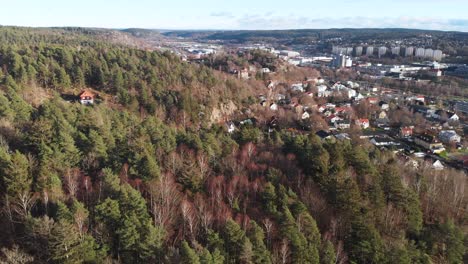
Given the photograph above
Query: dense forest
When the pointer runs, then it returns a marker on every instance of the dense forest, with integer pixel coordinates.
(147, 175)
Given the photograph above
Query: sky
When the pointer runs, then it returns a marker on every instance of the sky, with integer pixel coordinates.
(237, 14)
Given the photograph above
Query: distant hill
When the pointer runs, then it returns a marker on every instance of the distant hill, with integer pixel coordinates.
(307, 34)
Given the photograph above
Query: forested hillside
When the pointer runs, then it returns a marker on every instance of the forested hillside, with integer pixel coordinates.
(148, 174)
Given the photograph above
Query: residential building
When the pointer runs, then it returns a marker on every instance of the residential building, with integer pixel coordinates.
(461, 107)
(297, 87)
(244, 74)
(429, 53)
(358, 51)
(231, 127)
(437, 165)
(382, 115)
(324, 135)
(342, 124)
(372, 100)
(429, 142)
(406, 132)
(87, 98)
(384, 105)
(363, 123)
(409, 51)
(449, 136)
(420, 52)
(369, 51)
(382, 51)
(438, 55)
(383, 141)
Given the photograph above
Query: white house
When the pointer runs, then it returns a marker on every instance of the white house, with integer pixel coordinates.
(325, 94)
(438, 165)
(321, 88)
(297, 87)
(350, 93)
(333, 119)
(359, 96)
(449, 136)
(342, 124)
(231, 127)
(384, 106)
(274, 107)
(363, 123)
(454, 117)
(305, 115)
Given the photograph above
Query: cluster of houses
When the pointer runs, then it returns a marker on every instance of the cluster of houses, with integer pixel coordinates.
(342, 116)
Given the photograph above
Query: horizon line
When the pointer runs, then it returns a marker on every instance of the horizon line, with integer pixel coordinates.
(233, 30)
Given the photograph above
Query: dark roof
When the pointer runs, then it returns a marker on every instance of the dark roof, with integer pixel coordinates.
(428, 138)
(323, 134)
(383, 139)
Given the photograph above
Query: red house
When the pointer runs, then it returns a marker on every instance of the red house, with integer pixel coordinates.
(363, 123)
(406, 131)
(87, 98)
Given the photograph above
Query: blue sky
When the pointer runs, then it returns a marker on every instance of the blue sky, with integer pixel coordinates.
(237, 14)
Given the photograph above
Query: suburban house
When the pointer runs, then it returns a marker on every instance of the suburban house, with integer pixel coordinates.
(453, 117)
(441, 114)
(420, 98)
(406, 132)
(429, 142)
(382, 115)
(449, 136)
(297, 87)
(384, 105)
(437, 165)
(244, 74)
(383, 141)
(363, 123)
(372, 100)
(342, 124)
(333, 119)
(87, 98)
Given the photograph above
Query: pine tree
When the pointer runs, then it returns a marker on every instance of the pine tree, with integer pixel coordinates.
(188, 255)
(327, 253)
(260, 251)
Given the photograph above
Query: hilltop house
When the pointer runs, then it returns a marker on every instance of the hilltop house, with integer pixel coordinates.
(87, 98)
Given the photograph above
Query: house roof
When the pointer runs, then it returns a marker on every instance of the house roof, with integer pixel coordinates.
(323, 134)
(87, 93)
(428, 138)
(363, 120)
